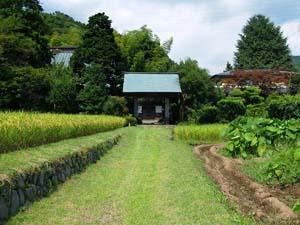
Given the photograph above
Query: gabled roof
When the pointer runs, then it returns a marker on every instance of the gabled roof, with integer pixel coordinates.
(151, 83)
(62, 54)
(231, 73)
(62, 58)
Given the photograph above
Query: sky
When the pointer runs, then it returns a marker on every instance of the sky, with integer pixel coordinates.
(205, 30)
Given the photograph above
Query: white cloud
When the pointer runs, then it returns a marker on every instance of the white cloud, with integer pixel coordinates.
(291, 31)
(203, 30)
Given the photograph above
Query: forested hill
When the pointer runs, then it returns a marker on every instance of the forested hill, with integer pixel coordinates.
(296, 60)
(63, 29)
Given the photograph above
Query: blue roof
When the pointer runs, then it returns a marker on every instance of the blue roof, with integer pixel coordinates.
(62, 57)
(151, 82)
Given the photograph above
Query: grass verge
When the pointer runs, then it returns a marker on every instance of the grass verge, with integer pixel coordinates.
(28, 175)
(146, 179)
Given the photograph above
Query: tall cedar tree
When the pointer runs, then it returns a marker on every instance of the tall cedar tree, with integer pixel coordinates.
(22, 30)
(99, 47)
(262, 45)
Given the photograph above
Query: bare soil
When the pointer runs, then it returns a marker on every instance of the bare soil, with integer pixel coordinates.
(266, 204)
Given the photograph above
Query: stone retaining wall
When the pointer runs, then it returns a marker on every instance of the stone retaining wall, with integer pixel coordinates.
(23, 188)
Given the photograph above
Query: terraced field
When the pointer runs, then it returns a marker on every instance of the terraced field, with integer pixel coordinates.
(146, 179)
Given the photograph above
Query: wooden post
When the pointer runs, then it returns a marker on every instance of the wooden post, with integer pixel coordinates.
(167, 110)
(181, 107)
(135, 107)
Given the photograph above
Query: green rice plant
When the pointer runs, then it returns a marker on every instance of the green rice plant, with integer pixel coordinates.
(20, 130)
(199, 133)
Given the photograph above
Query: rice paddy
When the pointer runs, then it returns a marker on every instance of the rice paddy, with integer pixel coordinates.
(20, 130)
(200, 133)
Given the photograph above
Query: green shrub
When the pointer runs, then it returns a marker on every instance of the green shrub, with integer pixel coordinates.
(252, 95)
(230, 109)
(284, 167)
(131, 121)
(27, 89)
(254, 136)
(115, 105)
(206, 114)
(257, 110)
(62, 96)
(237, 93)
(284, 107)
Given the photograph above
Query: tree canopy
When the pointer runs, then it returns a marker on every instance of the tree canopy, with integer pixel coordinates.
(262, 45)
(99, 47)
(63, 29)
(142, 51)
(22, 34)
(196, 84)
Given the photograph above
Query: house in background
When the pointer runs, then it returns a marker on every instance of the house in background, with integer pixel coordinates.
(269, 80)
(151, 94)
(62, 55)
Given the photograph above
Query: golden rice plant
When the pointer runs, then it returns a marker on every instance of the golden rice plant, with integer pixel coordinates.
(20, 130)
(199, 133)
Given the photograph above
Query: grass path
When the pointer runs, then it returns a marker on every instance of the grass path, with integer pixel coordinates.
(146, 179)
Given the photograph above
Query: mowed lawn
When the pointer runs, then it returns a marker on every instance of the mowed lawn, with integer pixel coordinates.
(146, 179)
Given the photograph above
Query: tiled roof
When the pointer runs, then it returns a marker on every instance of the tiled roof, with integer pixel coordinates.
(151, 83)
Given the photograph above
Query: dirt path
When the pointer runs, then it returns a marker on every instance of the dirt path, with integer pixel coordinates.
(146, 179)
(251, 197)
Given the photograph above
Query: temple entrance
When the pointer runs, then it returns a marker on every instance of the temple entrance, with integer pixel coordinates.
(151, 94)
(151, 110)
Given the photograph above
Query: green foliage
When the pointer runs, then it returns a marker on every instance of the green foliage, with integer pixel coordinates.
(284, 107)
(63, 29)
(229, 67)
(284, 167)
(296, 206)
(115, 105)
(22, 34)
(296, 61)
(257, 110)
(237, 93)
(254, 136)
(206, 114)
(131, 120)
(62, 97)
(99, 47)
(196, 84)
(262, 45)
(294, 87)
(143, 52)
(252, 95)
(230, 109)
(27, 89)
(94, 93)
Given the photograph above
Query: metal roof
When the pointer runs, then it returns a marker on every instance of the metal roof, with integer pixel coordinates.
(151, 83)
(62, 57)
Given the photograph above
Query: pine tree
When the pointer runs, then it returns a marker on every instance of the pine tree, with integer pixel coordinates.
(262, 45)
(228, 67)
(99, 47)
